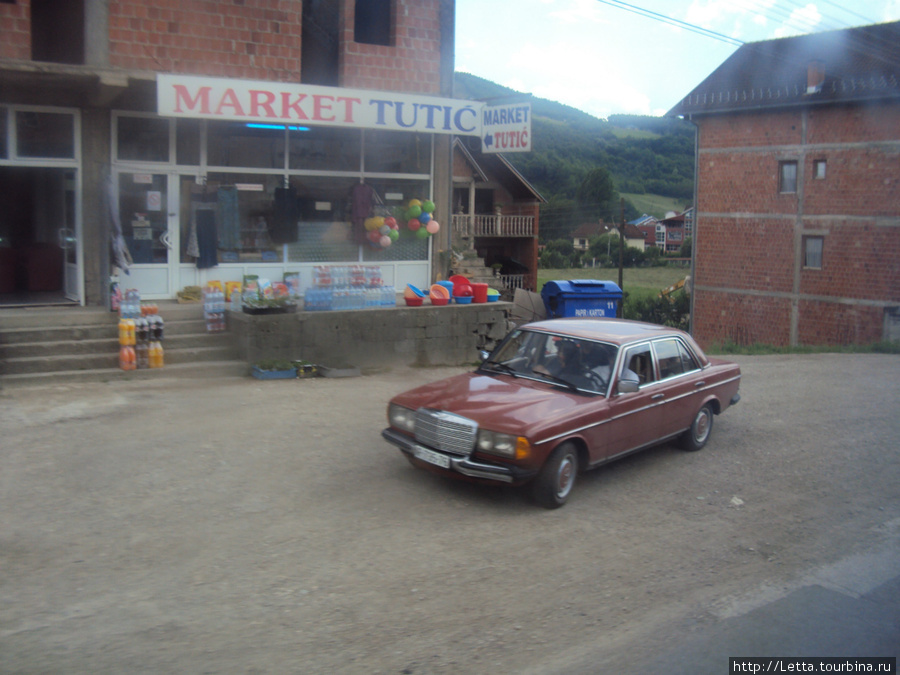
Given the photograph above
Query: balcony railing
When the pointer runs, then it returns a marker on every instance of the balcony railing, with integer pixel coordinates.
(493, 226)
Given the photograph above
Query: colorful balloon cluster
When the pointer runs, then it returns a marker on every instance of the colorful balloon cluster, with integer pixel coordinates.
(382, 232)
(419, 218)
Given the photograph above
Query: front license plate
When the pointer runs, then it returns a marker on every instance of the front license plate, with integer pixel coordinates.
(431, 457)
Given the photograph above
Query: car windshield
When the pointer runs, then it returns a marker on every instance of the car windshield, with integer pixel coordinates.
(574, 363)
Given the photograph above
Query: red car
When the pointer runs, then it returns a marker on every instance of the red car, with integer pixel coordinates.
(560, 396)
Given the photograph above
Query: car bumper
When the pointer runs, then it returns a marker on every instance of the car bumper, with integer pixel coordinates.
(461, 465)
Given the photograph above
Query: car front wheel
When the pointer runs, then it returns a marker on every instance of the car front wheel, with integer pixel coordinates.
(555, 481)
(696, 437)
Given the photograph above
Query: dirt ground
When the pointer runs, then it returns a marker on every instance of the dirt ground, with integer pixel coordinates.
(239, 526)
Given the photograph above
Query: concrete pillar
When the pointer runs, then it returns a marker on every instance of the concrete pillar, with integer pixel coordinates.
(96, 33)
(95, 149)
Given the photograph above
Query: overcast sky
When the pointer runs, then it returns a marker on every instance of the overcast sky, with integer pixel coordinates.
(603, 57)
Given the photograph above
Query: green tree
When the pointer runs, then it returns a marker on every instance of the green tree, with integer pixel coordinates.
(597, 196)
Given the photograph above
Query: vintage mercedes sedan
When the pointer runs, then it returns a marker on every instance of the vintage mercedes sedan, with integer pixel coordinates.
(561, 396)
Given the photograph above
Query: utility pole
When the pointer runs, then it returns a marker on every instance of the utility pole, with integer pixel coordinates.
(622, 260)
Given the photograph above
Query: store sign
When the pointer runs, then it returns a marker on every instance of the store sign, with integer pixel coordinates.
(506, 128)
(286, 103)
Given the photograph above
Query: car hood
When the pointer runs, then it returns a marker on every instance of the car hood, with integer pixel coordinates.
(499, 402)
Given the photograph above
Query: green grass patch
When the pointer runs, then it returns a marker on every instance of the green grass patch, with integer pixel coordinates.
(637, 280)
(654, 205)
(731, 348)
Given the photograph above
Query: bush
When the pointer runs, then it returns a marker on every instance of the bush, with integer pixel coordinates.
(673, 311)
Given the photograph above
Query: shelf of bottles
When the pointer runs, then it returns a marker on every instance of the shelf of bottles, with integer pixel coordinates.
(343, 287)
(140, 333)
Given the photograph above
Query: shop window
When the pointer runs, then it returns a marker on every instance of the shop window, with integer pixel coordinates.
(187, 142)
(237, 144)
(813, 248)
(4, 148)
(142, 139)
(819, 169)
(787, 182)
(320, 148)
(57, 31)
(397, 152)
(242, 206)
(41, 134)
(372, 22)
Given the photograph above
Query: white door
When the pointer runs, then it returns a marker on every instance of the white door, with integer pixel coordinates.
(148, 211)
(68, 242)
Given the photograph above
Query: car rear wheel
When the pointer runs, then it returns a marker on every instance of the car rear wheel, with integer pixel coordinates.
(557, 478)
(696, 437)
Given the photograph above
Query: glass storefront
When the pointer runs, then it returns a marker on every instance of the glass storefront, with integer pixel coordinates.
(256, 194)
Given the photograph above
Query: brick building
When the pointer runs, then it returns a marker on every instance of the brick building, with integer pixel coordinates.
(797, 228)
(154, 118)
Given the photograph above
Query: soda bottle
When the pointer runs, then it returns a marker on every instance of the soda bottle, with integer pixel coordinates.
(123, 332)
(126, 358)
(142, 355)
(156, 354)
(130, 332)
(159, 326)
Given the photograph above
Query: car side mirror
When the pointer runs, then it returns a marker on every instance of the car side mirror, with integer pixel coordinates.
(629, 383)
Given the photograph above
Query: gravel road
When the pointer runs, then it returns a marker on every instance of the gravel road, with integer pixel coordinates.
(239, 526)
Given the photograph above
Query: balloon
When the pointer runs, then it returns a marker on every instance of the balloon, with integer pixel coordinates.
(384, 229)
(394, 235)
(385, 241)
(414, 224)
(428, 206)
(391, 222)
(424, 217)
(422, 233)
(414, 212)
(414, 202)
(433, 227)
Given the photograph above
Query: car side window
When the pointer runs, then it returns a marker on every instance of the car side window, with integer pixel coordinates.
(673, 358)
(640, 361)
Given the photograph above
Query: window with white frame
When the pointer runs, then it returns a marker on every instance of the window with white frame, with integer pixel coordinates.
(787, 180)
(813, 247)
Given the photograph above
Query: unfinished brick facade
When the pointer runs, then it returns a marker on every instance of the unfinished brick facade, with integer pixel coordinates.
(753, 280)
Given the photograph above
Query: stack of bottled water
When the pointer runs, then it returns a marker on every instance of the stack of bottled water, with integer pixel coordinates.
(214, 309)
(348, 287)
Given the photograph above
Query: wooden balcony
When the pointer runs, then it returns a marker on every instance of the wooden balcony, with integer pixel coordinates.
(468, 226)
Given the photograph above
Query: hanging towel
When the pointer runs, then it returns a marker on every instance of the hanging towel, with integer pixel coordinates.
(207, 239)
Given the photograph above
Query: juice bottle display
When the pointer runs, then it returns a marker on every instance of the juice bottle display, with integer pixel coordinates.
(127, 358)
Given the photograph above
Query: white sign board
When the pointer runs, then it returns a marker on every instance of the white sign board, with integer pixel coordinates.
(506, 128)
(287, 104)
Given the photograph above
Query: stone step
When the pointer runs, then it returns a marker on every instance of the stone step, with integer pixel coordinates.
(197, 370)
(105, 345)
(109, 359)
(98, 331)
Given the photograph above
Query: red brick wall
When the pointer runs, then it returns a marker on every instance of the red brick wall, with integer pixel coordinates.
(411, 64)
(765, 259)
(15, 30)
(740, 318)
(855, 208)
(258, 39)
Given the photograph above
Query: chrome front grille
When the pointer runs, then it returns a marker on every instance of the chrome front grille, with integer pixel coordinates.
(445, 431)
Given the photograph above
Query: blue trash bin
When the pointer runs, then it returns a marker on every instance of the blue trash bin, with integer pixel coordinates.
(581, 298)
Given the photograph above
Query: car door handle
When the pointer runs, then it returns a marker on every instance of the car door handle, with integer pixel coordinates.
(657, 397)
(701, 383)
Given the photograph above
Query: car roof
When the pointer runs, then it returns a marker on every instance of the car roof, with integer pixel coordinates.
(617, 331)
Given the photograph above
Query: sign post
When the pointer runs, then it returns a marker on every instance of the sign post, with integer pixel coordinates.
(506, 128)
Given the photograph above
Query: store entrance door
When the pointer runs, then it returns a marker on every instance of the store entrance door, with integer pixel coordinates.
(148, 213)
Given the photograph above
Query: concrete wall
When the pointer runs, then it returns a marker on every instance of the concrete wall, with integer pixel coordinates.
(372, 338)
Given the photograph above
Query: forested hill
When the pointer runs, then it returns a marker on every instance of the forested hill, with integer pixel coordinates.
(644, 155)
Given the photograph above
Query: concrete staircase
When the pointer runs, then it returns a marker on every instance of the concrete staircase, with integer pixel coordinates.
(473, 268)
(59, 344)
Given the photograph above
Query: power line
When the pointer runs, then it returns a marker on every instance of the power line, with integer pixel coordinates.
(656, 16)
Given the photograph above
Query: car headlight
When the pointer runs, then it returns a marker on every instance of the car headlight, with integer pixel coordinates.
(505, 445)
(402, 418)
